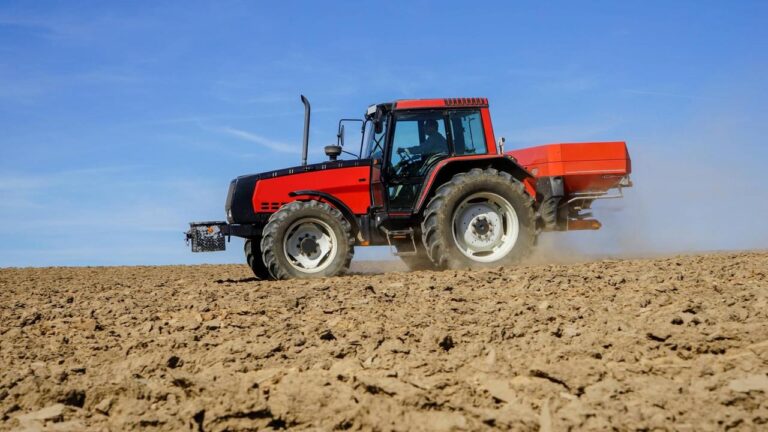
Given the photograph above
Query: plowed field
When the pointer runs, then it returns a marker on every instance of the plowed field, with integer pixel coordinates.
(674, 343)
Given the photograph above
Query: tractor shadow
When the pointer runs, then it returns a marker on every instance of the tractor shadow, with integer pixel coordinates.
(236, 281)
(230, 281)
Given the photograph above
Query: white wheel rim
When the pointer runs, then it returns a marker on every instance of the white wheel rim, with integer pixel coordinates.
(485, 227)
(309, 245)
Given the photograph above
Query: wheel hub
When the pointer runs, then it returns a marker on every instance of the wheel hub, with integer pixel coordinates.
(477, 225)
(480, 226)
(308, 246)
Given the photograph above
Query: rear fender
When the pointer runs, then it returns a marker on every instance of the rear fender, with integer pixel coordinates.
(447, 168)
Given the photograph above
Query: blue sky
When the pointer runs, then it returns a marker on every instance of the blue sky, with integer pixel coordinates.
(122, 121)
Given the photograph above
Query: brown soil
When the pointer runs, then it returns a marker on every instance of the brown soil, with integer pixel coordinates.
(674, 343)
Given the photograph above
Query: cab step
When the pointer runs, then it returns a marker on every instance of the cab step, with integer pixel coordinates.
(400, 236)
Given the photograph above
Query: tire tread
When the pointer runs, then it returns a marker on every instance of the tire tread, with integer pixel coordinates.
(437, 250)
(269, 235)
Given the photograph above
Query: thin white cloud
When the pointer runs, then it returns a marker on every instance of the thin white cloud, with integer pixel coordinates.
(200, 119)
(558, 133)
(50, 26)
(260, 140)
(567, 79)
(69, 27)
(10, 181)
(164, 204)
(667, 94)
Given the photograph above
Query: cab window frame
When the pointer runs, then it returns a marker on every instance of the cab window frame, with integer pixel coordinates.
(480, 150)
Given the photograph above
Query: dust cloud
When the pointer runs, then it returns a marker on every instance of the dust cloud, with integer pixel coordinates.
(679, 203)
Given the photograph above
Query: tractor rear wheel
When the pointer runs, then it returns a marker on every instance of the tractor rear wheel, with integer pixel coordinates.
(479, 218)
(252, 249)
(307, 239)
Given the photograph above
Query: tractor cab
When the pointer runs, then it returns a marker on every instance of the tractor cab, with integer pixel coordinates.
(406, 140)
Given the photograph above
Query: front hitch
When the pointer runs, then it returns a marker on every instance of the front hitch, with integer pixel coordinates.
(206, 236)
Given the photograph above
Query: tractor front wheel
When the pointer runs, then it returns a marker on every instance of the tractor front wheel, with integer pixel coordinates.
(307, 239)
(252, 249)
(479, 218)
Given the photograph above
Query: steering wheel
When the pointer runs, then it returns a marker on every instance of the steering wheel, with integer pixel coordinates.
(407, 159)
(398, 168)
(405, 153)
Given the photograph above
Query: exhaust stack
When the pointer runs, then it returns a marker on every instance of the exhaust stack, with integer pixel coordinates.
(305, 143)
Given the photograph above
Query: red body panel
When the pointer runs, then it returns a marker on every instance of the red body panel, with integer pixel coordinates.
(419, 103)
(350, 184)
(490, 138)
(594, 166)
(529, 185)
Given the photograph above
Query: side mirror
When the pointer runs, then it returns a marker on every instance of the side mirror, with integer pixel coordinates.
(333, 151)
(340, 136)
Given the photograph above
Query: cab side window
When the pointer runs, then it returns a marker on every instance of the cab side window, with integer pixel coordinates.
(467, 132)
(418, 141)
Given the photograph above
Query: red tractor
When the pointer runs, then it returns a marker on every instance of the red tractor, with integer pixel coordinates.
(429, 180)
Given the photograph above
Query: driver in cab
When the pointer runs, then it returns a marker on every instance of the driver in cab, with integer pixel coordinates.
(435, 142)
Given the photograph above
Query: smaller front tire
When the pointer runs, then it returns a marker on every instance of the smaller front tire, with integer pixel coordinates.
(307, 239)
(252, 249)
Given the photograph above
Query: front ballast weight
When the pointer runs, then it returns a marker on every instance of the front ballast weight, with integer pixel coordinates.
(207, 236)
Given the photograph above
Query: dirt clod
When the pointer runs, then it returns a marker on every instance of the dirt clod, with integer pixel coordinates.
(327, 335)
(173, 362)
(75, 398)
(104, 406)
(446, 343)
(30, 318)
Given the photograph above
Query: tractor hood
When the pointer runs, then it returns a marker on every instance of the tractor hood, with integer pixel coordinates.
(251, 198)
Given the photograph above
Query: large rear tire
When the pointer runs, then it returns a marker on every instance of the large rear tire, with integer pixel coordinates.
(252, 249)
(307, 239)
(480, 218)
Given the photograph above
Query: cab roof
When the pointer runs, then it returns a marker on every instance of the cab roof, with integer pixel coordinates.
(403, 104)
